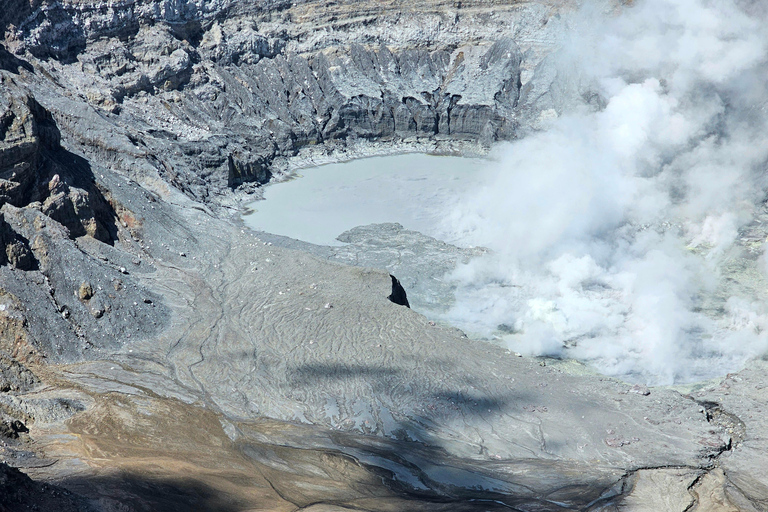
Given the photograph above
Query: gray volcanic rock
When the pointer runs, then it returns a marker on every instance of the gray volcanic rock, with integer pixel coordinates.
(419, 262)
(51, 200)
(216, 100)
(26, 130)
(19, 492)
(738, 401)
(117, 308)
(166, 359)
(14, 249)
(15, 376)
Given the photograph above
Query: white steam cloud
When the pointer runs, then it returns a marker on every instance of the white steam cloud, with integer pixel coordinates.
(617, 232)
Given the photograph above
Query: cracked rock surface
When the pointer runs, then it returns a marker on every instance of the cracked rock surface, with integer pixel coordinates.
(154, 355)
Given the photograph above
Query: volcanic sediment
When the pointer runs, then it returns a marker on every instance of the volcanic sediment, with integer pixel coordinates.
(156, 355)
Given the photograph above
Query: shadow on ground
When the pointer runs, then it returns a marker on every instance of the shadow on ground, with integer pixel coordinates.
(118, 493)
(138, 493)
(10, 62)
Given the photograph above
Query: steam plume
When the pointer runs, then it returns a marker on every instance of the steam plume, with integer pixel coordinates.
(617, 230)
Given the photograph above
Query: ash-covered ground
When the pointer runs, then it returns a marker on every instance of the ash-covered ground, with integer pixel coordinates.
(158, 356)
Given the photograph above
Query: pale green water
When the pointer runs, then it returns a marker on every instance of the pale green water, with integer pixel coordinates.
(415, 190)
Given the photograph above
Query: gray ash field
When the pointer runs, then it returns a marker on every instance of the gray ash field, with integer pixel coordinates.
(156, 355)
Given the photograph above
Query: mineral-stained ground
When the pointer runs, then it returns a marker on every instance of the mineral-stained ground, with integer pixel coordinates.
(156, 356)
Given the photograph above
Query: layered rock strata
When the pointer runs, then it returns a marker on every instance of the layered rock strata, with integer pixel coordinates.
(217, 92)
(155, 356)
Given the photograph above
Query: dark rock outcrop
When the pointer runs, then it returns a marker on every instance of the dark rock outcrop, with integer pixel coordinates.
(243, 172)
(398, 295)
(27, 130)
(222, 92)
(14, 249)
(34, 168)
(19, 492)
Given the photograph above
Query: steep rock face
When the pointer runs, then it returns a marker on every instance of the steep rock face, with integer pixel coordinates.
(279, 105)
(60, 29)
(117, 309)
(35, 169)
(26, 130)
(246, 171)
(14, 249)
(221, 91)
(55, 225)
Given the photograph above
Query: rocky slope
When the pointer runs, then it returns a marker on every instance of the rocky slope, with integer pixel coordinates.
(155, 356)
(217, 93)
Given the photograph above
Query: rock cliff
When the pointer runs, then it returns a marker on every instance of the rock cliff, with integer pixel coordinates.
(217, 91)
(155, 356)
